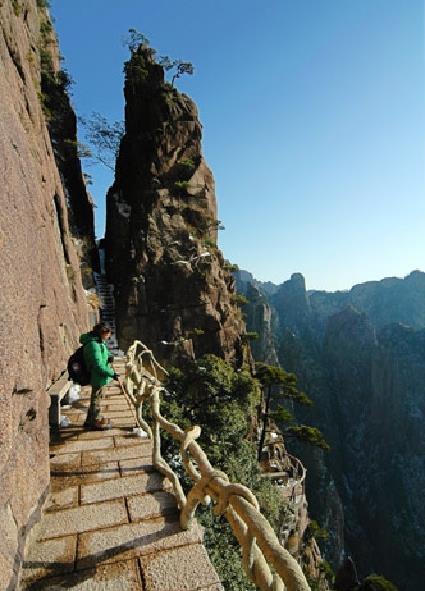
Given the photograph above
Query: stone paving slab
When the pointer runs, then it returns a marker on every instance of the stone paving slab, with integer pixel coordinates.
(151, 505)
(65, 461)
(48, 558)
(82, 445)
(185, 569)
(100, 480)
(118, 414)
(120, 487)
(130, 439)
(85, 435)
(84, 475)
(124, 423)
(124, 453)
(133, 540)
(81, 519)
(121, 576)
(62, 499)
(136, 466)
(115, 407)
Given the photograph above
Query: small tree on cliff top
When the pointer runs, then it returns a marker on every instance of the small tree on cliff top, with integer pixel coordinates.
(178, 68)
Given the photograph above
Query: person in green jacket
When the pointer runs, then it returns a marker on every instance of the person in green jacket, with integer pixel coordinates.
(96, 356)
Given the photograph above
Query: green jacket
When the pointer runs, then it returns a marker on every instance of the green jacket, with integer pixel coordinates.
(96, 355)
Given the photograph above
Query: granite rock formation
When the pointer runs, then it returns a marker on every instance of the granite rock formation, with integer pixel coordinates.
(258, 316)
(42, 300)
(171, 287)
(360, 355)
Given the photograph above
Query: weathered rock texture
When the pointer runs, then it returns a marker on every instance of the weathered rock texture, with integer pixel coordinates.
(259, 319)
(360, 355)
(169, 276)
(42, 301)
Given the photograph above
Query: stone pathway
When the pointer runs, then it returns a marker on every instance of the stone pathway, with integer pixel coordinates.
(111, 522)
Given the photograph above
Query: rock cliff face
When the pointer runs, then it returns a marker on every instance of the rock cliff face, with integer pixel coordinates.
(171, 287)
(258, 316)
(43, 304)
(365, 373)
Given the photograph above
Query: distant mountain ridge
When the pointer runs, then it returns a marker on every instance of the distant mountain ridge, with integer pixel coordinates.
(388, 300)
(360, 355)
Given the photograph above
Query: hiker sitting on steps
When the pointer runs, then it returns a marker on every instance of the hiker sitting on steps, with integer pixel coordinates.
(97, 357)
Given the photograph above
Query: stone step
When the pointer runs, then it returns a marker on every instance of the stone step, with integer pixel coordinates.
(123, 576)
(147, 506)
(187, 567)
(143, 450)
(120, 487)
(62, 479)
(81, 519)
(82, 445)
(133, 540)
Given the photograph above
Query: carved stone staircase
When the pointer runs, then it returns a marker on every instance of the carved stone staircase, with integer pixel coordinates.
(111, 522)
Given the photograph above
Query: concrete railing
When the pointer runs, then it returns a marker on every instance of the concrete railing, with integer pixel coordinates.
(265, 561)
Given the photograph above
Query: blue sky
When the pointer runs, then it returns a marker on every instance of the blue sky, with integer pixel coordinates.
(313, 115)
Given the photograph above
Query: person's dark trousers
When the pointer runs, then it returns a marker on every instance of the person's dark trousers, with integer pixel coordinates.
(94, 409)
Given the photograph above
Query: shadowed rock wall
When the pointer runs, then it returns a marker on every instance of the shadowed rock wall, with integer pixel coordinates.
(42, 301)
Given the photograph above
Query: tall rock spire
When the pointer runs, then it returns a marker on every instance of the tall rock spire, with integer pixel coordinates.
(171, 286)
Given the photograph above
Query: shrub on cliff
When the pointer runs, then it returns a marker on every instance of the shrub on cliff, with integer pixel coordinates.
(376, 583)
(211, 394)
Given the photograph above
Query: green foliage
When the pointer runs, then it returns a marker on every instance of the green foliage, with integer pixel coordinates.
(239, 299)
(17, 9)
(180, 67)
(271, 375)
(313, 584)
(327, 570)
(46, 28)
(315, 531)
(272, 378)
(181, 186)
(211, 394)
(276, 376)
(43, 3)
(185, 168)
(308, 434)
(209, 243)
(54, 88)
(249, 336)
(212, 224)
(135, 39)
(195, 332)
(282, 415)
(376, 583)
(232, 267)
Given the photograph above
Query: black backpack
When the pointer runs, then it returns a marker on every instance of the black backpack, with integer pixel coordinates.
(77, 369)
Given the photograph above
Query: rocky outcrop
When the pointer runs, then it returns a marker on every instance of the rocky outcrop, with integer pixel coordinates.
(258, 318)
(364, 370)
(171, 286)
(43, 304)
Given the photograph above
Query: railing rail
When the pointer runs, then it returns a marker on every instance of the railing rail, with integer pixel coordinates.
(265, 561)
